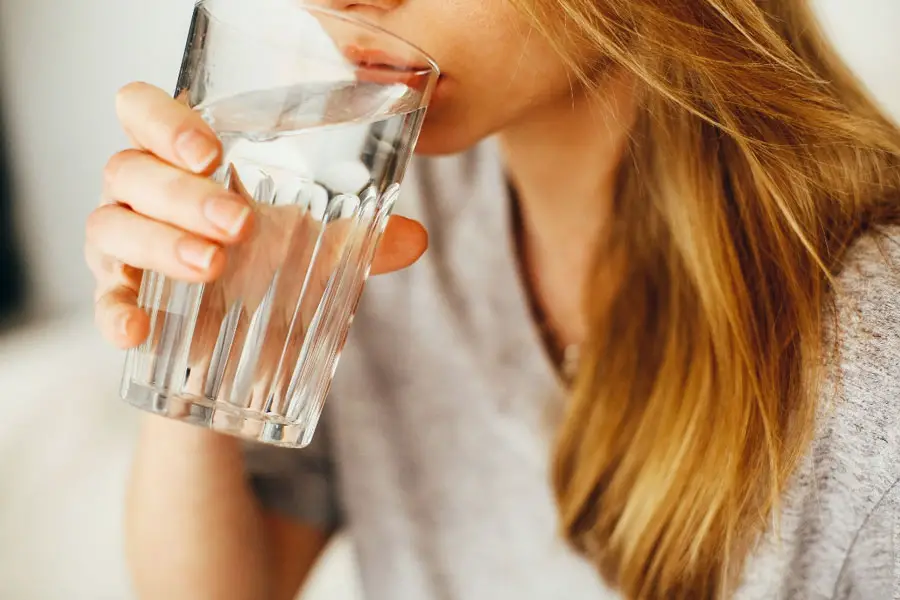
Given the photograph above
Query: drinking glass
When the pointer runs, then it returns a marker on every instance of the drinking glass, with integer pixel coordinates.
(318, 114)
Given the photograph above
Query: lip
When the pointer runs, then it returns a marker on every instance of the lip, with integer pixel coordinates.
(377, 66)
(374, 59)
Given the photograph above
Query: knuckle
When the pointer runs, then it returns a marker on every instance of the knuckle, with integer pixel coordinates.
(128, 92)
(178, 185)
(170, 118)
(104, 300)
(111, 168)
(115, 165)
(95, 226)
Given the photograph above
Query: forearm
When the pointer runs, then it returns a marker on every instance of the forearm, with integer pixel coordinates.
(193, 528)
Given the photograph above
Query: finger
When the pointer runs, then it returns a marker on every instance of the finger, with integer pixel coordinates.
(150, 245)
(167, 128)
(404, 242)
(171, 195)
(108, 271)
(119, 319)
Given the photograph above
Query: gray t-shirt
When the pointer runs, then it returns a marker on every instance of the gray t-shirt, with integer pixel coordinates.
(435, 446)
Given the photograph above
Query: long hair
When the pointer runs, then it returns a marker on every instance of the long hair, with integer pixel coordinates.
(755, 161)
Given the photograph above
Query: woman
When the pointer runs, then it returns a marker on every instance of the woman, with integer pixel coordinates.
(659, 310)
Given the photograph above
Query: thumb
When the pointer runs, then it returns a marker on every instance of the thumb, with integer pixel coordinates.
(404, 242)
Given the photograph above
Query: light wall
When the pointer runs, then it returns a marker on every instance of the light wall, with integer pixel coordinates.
(62, 61)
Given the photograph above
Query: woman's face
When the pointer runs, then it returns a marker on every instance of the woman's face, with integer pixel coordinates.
(497, 70)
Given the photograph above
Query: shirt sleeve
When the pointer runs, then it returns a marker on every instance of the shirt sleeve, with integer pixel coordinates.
(297, 483)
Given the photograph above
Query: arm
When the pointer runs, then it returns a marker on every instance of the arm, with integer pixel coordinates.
(195, 530)
(195, 525)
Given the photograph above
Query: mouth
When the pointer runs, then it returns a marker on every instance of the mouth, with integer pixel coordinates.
(378, 66)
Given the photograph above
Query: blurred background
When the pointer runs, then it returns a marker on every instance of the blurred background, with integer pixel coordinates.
(65, 439)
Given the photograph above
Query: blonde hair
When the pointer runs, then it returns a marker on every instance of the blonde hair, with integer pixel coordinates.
(755, 161)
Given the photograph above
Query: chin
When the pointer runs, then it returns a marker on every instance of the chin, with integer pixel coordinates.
(444, 134)
(438, 145)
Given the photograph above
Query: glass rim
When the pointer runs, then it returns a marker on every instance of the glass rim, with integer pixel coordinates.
(431, 65)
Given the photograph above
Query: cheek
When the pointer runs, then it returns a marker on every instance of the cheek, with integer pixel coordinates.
(498, 70)
(465, 114)
(489, 96)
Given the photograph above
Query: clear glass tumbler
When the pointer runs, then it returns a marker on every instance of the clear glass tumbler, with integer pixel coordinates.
(318, 114)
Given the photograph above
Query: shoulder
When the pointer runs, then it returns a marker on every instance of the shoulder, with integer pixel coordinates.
(856, 455)
(865, 369)
(872, 264)
(838, 514)
(867, 302)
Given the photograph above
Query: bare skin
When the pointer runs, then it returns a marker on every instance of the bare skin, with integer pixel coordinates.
(189, 513)
(160, 212)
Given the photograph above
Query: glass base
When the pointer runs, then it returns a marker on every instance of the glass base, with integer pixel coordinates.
(221, 417)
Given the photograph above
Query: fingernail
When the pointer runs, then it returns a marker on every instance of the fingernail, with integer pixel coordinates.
(196, 150)
(227, 214)
(196, 253)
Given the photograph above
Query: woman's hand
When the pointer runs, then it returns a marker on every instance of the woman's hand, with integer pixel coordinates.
(161, 212)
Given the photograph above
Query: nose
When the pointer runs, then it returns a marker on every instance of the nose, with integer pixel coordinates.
(363, 6)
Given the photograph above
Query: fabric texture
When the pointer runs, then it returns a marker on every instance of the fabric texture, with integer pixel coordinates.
(434, 450)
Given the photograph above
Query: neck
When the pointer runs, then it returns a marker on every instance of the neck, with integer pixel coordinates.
(563, 163)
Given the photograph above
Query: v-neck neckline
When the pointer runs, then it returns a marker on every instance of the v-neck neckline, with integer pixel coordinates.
(511, 281)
